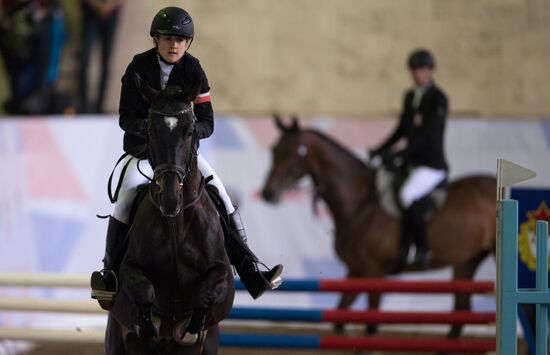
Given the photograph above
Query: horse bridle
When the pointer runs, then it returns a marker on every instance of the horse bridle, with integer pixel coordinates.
(181, 172)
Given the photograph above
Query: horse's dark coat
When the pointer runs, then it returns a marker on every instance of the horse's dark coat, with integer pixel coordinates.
(175, 270)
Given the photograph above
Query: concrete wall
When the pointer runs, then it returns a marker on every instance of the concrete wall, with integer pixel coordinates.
(346, 57)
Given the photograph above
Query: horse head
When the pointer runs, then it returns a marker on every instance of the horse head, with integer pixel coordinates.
(172, 143)
(288, 160)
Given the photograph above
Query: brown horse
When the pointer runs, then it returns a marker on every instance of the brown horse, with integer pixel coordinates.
(176, 284)
(461, 234)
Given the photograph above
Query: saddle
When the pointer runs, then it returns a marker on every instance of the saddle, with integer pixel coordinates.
(388, 183)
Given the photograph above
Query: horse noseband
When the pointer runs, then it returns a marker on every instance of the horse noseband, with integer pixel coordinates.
(173, 114)
(162, 169)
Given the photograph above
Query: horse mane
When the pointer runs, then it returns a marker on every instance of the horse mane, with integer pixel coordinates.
(360, 168)
(339, 147)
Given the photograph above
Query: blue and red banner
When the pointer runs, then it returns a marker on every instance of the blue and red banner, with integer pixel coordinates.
(533, 207)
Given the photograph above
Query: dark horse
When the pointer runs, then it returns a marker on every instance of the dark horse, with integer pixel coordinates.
(367, 239)
(176, 284)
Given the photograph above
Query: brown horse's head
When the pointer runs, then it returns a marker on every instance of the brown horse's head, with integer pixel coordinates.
(172, 144)
(288, 164)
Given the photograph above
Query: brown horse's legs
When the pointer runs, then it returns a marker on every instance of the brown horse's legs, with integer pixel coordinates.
(373, 303)
(463, 302)
(345, 302)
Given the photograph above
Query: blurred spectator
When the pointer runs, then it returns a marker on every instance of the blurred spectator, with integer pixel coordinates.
(99, 21)
(32, 36)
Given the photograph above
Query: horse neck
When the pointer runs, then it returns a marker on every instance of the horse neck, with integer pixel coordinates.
(342, 180)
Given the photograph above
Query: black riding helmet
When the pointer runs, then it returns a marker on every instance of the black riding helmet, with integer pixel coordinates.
(172, 21)
(421, 58)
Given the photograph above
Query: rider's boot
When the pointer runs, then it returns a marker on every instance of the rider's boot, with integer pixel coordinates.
(104, 283)
(415, 225)
(246, 263)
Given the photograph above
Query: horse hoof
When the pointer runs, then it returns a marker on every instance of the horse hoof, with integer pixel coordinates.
(190, 339)
(183, 337)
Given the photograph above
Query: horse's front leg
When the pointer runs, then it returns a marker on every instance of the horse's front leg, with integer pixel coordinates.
(141, 292)
(213, 290)
(373, 304)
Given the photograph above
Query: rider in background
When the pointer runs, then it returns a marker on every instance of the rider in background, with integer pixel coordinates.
(168, 64)
(422, 124)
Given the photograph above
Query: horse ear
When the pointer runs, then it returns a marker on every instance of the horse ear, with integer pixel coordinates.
(294, 125)
(279, 122)
(148, 93)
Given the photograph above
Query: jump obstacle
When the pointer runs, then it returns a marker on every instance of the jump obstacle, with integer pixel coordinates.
(275, 341)
(290, 285)
(279, 314)
(273, 314)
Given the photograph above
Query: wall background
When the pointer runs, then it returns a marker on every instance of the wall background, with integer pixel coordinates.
(326, 57)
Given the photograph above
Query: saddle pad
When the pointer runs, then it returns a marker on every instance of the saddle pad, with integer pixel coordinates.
(387, 196)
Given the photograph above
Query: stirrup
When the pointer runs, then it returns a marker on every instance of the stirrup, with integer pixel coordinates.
(258, 282)
(105, 294)
(276, 279)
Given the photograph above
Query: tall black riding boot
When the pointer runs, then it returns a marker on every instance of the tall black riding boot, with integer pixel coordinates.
(415, 226)
(104, 283)
(246, 263)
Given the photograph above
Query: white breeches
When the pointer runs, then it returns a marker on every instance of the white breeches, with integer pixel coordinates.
(133, 178)
(420, 183)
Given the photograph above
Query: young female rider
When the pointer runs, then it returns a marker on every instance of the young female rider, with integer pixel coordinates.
(168, 63)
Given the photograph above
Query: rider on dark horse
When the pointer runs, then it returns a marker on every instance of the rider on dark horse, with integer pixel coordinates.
(422, 124)
(169, 64)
